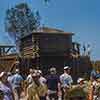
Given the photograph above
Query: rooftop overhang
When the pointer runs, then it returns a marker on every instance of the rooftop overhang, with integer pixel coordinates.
(49, 33)
(54, 33)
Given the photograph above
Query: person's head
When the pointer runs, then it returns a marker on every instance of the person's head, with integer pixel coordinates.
(80, 81)
(35, 76)
(3, 77)
(53, 70)
(67, 69)
(31, 71)
(17, 71)
(9, 74)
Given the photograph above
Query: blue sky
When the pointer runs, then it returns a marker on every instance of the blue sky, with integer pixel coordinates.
(79, 16)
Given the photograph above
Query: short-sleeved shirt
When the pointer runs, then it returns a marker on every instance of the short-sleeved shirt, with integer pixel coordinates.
(52, 82)
(29, 79)
(42, 80)
(16, 80)
(66, 80)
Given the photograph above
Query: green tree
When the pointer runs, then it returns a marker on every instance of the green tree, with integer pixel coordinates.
(20, 20)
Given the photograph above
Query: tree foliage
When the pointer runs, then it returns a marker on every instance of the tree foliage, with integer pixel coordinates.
(20, 20)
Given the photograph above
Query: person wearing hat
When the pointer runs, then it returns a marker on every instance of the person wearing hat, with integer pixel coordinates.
(53, 84)
(17, 80)
(36, 91)
(32, 93)
(82, 84)
(29, 77)
(80, 81)
(6, 92)
(66, 80)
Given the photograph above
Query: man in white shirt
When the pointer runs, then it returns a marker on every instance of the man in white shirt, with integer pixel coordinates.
(66, 80)
(29, 77)
(42, 79)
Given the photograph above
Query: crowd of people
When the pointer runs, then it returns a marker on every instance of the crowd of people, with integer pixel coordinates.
(49, 87)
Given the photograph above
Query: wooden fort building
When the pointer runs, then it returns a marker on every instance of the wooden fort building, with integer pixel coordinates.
(52, 47)
(47, 47)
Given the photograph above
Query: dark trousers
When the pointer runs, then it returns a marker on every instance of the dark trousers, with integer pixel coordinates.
(62, 93)
(17, 92)
(54, 95)
(42, 97)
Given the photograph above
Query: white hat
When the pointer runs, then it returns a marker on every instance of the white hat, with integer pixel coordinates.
(2, 74)
(17, 70)
(79, 80)
(66, 67)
